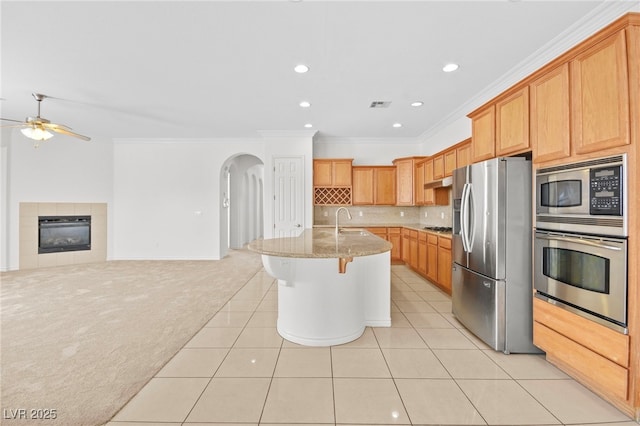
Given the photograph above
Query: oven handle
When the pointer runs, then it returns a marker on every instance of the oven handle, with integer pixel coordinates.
(578, 241)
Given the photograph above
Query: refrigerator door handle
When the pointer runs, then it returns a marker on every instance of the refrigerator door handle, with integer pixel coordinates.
(471, 232)
(464, 218)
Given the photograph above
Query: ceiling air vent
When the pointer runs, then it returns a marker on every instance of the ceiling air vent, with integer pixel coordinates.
(380, 104)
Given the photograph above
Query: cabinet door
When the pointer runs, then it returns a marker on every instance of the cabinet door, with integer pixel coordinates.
(394, 236)
(463, 155)
(322, 173)
(444, 264)
(438, 167)
(413, 253)
(429, 194)
(483, 131)
(600, 96)
(432, 259)
(512, 123)
(450, 162)
(406, 248)
(404, 182)
(419, 183)
(362, 191)
(342, 172)
(384, 186)
(422, 256)
(549, 124)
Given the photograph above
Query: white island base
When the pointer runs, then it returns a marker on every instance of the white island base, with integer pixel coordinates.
(319, 306)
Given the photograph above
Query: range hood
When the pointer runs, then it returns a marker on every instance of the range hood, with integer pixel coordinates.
(442, 183)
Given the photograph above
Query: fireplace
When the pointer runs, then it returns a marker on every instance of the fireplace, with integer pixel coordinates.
(63, 233)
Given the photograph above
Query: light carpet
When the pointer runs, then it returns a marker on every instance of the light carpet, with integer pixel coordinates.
(84, 339)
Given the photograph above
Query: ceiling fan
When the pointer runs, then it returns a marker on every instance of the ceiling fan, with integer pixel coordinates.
(38, 128)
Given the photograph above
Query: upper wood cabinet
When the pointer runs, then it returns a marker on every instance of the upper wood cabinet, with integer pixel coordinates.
(429, 194)
(332, 172)
(438, 167)
(483, 134)
(374, 185)
(463, 153)
(419, 183)
(450, 161)
(405, 177)
(600, 96)
(512, 123)
(549, 115)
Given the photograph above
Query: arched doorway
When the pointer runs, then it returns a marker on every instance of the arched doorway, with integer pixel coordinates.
(241, 201)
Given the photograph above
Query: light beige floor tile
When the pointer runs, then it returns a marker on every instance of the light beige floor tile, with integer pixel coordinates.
(249, 362)
(435, 296)
(504, 402)
(358, 362)
(452, 319)
(427, 320)
(398, 338)
(394, 307)
(367, 340)
(399, 320)
(229, 319)
(263, 319)
(368, 401)
(268, 305)
(475, 339)
(571, 402)
(445, 338)
(249, 293)
(299, 400)
(231, 400)
(399, 285)
(438, 402)
(413, 306)
(143, 424)
(259, 337)
(405, 295)
(194, 362)
(469, 364)
(304, 362)
(441, 306)
(163, 400)
(526, 366)
(240, 306)
(212, 337)
(414, 364)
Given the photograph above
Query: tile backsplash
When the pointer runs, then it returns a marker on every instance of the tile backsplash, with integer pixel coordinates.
(383, 215)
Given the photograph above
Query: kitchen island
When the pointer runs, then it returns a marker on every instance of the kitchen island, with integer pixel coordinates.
(331, 286)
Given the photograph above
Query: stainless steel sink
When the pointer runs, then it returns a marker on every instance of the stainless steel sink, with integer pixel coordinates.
(353, 231)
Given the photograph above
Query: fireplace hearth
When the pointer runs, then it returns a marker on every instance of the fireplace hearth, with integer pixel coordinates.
(63, 233)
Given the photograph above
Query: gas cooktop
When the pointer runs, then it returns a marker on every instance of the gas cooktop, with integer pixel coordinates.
(438, 228)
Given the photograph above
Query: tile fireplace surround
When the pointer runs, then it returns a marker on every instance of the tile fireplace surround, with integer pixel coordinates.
(29, 212)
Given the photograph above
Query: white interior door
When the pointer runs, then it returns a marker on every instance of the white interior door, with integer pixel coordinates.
(288, 196)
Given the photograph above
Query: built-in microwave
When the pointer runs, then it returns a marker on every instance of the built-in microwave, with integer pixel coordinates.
(586, 197)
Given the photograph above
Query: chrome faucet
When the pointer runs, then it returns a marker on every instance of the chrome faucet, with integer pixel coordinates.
(337, 213)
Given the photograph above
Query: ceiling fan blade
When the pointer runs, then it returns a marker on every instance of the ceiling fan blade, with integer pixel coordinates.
(65, 131)
(9, 119)
(8, 126)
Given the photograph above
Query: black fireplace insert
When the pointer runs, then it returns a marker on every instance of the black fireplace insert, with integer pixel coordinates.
(63, 233)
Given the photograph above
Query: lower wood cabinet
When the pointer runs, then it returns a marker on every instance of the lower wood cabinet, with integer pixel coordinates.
(394, 236)
(429, 254)
(444, 263)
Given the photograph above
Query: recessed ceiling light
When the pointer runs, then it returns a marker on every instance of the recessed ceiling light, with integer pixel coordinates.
(301, 68)
(397, 125)
(308, 125)
(305, 104)
(450, 67)
(417, 103)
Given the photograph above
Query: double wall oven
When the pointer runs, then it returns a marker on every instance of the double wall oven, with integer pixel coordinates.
(580, 248)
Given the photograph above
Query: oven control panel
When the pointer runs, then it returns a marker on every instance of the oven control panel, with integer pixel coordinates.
(606, 191)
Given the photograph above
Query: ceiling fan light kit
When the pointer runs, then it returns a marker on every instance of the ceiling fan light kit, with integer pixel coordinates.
(39, 129)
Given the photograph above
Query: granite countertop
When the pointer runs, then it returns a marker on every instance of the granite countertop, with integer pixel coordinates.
(322, 242)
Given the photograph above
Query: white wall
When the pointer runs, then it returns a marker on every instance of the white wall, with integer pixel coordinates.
(167, 196)
(455, 132)
(373, 152)
(62, 169)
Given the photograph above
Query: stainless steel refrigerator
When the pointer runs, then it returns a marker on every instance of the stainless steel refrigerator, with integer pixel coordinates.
(491, 279)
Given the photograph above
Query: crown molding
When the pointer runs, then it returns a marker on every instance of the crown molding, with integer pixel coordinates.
(368, 141)
(601, 16)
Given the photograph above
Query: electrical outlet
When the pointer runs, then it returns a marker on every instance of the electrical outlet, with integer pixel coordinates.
(425, 214)
(360, 214)
(441, 215)
(401, 214)
(325, 214)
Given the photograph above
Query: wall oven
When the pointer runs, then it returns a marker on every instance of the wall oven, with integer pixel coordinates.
(584, 274)
(580, 247)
